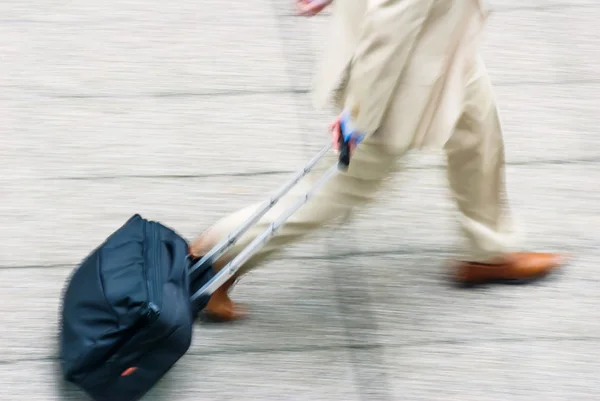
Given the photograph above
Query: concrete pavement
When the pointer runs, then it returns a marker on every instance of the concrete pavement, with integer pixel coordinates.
(186, 111)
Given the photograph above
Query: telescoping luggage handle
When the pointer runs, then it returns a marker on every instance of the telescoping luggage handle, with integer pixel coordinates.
(232, 267)
(222, 247)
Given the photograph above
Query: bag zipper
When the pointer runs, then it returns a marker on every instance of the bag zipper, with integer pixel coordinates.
(153, 273)
(150, 312)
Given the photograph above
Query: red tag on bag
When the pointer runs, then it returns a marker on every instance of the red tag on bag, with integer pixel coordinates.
(128, 371)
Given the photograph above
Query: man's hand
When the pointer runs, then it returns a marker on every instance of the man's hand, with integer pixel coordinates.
(342, 126)
(308, 8)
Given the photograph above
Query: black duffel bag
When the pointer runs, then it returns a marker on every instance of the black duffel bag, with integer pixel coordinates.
(126, 312)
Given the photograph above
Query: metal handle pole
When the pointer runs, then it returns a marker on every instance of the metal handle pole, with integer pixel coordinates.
(232, 267)
(233, 237)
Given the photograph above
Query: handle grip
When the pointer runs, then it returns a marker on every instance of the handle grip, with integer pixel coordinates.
(344, 159)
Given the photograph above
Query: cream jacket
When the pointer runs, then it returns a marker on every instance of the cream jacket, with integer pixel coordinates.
(379, 50)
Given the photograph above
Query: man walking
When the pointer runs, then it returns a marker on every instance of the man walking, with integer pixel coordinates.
(405, 74)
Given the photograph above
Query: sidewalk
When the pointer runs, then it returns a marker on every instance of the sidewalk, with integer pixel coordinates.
(186, 111)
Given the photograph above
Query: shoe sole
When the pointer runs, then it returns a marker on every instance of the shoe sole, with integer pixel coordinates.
(505, 281)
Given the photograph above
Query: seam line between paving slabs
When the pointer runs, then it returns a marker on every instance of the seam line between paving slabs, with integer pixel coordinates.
(361, 327)
(433, 167)
(359, 383)
(428, 252)
(332, 347)
(278, 91)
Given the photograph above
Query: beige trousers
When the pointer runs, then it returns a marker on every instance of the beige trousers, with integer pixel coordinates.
(475, 171)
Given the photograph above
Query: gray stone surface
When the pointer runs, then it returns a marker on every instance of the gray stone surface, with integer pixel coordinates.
(185, 111)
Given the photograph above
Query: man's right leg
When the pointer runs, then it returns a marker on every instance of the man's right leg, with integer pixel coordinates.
(369, 166)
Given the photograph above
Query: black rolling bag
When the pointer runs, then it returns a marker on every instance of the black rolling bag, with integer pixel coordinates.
(127, 316)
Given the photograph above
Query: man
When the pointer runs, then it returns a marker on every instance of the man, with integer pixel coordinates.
(405, 74)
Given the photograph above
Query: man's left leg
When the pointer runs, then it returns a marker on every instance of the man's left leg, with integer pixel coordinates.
(475, 155)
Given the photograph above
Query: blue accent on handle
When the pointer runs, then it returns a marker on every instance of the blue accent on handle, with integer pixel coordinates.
(348, 136)
(347, 132)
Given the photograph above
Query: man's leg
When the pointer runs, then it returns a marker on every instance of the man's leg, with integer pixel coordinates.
(476, 163)
(369, 166)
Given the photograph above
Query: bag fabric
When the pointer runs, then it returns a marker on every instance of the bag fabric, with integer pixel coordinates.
(126, 313)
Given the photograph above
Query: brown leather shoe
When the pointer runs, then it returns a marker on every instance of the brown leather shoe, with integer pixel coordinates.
(220, 308)
(515, 268)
